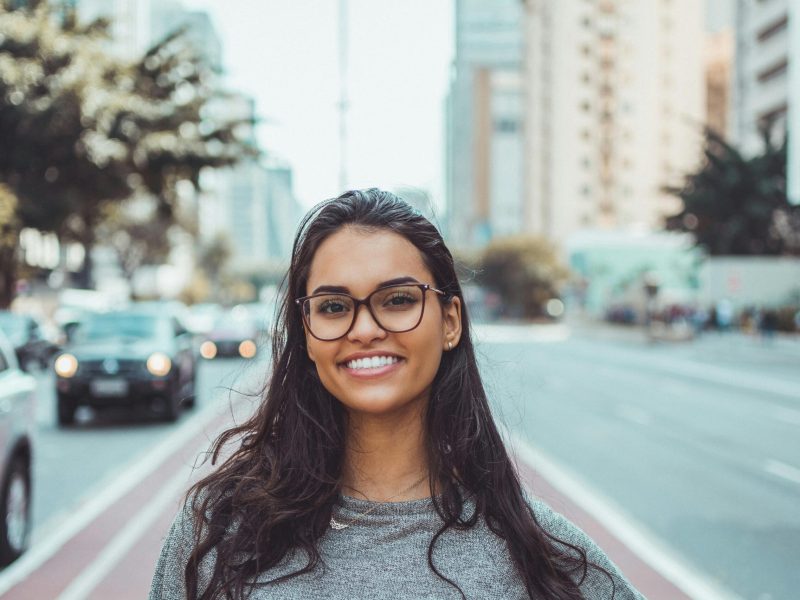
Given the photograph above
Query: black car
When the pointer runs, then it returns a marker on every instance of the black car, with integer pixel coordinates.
(30, 344)
(127, 357)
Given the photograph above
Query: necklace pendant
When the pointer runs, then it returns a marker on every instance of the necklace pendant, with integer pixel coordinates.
(338, 526)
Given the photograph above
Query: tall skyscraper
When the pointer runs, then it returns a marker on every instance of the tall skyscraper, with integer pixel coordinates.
(793, 170)
(484, 123)
(761, 88)
(719, 81)
(614, 111)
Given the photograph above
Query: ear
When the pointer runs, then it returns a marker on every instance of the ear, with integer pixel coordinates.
(451, 323)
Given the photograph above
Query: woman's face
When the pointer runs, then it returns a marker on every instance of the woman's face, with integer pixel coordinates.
(360, 261)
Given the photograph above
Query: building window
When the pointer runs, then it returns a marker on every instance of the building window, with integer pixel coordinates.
(774, 71)
(768, 118)
(506, 125)
(773, 29)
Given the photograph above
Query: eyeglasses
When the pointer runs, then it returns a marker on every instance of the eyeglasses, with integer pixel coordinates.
(395, 308)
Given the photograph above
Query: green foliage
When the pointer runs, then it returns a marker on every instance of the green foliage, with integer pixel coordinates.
(83, 130)
(214, 257)
(525, 271)
(735, 205)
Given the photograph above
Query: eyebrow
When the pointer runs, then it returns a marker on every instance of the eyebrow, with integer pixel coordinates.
(339, 289)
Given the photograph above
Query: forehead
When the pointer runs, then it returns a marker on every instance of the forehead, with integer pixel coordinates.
(360, 259)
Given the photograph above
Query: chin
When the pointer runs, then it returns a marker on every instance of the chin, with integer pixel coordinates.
(378, 404)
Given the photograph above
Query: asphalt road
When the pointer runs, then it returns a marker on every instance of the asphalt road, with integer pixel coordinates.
(72, 464)
(697, 442)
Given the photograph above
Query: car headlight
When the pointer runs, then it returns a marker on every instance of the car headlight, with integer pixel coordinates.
(66, 365)
(208, 349)
(159, 364)
(247, 349)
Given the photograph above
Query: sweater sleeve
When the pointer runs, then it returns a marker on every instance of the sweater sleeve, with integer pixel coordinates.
(168, 581)
(596, 585)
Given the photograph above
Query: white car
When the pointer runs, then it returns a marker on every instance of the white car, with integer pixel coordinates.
(17, 405)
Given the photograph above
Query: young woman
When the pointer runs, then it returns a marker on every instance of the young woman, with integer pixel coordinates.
(373, 468)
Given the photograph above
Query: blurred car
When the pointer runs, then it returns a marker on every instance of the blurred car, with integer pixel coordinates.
(31, 344)
(260, 313)
(201, 317)
(17, 404)
(234, 335)
(131, 357)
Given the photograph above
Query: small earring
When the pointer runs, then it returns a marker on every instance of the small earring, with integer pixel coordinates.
(449, 345)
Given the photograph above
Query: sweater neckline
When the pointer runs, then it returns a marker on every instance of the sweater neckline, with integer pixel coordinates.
(351, 505)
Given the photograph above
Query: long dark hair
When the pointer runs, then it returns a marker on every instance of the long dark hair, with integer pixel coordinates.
(275, 493)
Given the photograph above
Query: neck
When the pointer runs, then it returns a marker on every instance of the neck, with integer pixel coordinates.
(384, 457)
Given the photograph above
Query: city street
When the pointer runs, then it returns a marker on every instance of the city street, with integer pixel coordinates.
(697, 442)
(687, 454)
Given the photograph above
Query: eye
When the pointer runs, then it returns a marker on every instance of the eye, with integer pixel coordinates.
(332, 307)
(400, 300)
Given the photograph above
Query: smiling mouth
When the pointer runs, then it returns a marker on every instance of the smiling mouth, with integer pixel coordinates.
(371, 363)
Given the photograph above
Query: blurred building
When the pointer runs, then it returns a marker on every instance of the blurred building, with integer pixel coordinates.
(138, 24)
(252, 204)
(761, 88)
(793, 170)
(615, 103)
(719, 77)
(484, 140)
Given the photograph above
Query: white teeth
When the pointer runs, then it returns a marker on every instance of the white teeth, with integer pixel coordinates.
(372, 362)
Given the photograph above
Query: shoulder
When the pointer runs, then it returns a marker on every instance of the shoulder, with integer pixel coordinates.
(596, 584)
(169, 577)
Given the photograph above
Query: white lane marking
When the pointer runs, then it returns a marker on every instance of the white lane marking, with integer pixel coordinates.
(110, 555)
(631, 533)
(725, 376)
(786, 415)
(43, 549)
(509, 334)
(781, 469)
(634, 414)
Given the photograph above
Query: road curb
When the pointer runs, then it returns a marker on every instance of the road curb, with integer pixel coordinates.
(656, 570)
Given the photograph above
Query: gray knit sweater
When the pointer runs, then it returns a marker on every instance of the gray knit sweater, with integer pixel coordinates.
(383, 555)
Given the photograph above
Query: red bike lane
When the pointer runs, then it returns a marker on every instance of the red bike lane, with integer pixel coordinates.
(113, 556)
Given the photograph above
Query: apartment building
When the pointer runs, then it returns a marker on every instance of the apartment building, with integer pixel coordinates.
(484, 116)
(615, 104)
(761, 78)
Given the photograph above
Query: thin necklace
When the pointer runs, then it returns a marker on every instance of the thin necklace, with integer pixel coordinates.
(338, 525)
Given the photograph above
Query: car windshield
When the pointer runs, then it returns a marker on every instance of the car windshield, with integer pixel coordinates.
(12, 325)
(116, 325)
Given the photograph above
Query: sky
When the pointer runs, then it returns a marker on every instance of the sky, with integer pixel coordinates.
(285, 55)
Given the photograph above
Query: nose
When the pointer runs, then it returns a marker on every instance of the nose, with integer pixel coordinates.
(365, 328)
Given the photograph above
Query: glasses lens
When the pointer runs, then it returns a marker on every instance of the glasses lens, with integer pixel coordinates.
(329, 315)
(398, 308)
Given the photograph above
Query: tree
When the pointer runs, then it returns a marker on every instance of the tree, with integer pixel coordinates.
(56, 157)
(737, 205)
(524, 271)
(82, 130)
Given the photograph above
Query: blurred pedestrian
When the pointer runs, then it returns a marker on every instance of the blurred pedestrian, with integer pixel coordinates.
(373, 467)
(768, 324)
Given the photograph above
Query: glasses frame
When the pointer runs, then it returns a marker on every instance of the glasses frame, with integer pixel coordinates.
(357, 302)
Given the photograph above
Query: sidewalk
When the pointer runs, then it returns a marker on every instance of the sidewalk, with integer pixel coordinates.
(109, 550)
